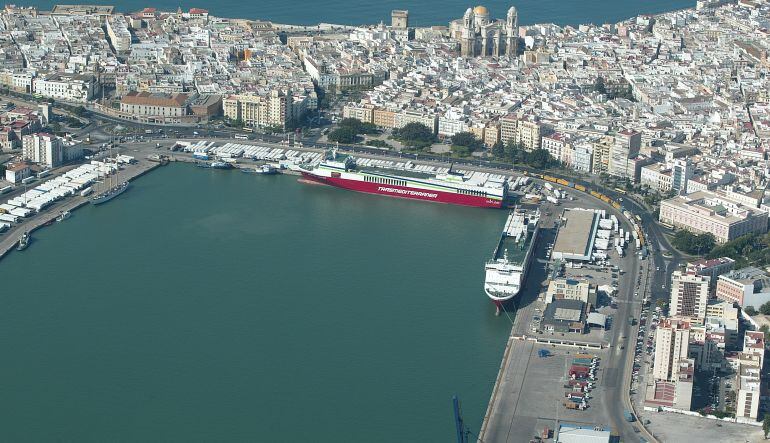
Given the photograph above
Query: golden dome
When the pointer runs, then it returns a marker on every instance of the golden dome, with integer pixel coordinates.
(480, 10)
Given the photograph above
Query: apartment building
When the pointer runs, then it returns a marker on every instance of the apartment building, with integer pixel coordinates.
(44, 149)
(748, 381)
(672, 344)
(273, 109)
(68, 87)
(711, 268)
(748, 286)
(625, 146)
(117, 31)
(689, 296)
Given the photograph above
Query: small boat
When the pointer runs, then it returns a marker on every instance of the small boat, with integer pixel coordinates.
(267, 170)
(63, 216)
(221, 165)
(23, 241)
(264, 169)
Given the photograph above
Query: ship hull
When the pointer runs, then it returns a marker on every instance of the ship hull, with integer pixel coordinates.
(109, 195)
(405, 192)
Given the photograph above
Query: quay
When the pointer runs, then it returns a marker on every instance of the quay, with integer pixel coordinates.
(525, 398)
(11, 237)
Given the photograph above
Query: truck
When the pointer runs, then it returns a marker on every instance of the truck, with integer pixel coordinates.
(628, 416)
(572, 405)
(631, 320)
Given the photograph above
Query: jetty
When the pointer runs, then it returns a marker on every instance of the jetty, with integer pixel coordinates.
(46, 217)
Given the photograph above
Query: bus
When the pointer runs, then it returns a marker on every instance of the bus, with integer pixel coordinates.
(241, 136)
(620, 191)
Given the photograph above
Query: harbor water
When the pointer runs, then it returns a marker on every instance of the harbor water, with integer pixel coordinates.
(421, 13)
(207, 305)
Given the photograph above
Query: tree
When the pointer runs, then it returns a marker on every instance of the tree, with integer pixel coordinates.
(358, 126)
(352, 123)
(512, 150)
(599, 85)
(765, 308)
(750, 311)
(343, 135)
(766, 424)
(691, 243)
(80, 111)
(765, 330)
(498, 150)
(415, 135)
(465, 143)
(539, 159)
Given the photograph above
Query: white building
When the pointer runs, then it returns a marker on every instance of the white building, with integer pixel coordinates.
(117, 30)
(748, 375)
(403, 118)
(672, 343)
(44, 149)
(583, 157)
(68, 87)
(452, 124)
(689, 296)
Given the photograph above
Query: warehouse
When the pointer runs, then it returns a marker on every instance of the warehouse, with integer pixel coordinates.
(577, 232)
(572, 433)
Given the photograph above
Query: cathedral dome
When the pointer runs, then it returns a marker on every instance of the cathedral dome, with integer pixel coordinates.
(480, 10)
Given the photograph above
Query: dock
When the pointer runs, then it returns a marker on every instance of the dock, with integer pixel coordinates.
(10, 238)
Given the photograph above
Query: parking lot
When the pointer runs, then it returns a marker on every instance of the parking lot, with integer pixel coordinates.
(542, 396)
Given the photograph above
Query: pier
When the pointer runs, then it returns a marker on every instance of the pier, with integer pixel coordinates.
(10, 238)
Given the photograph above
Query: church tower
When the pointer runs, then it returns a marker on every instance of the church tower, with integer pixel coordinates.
(468, 37)
(512, 32)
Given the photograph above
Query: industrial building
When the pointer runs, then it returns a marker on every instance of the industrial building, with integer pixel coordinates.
(577, 232)
(565, 316)
(573, 433)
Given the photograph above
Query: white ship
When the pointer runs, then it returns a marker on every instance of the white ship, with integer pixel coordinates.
(506, 272)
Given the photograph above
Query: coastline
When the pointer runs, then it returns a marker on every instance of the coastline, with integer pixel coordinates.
(371, 18)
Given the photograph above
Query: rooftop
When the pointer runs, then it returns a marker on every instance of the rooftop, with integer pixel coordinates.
(576, 234)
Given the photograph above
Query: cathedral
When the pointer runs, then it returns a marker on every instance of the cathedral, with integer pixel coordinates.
(480, 36)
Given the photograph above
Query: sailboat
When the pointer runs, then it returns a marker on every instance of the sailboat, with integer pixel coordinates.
(114, 190)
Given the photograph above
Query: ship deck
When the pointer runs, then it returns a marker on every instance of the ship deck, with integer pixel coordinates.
(397, 172)
(517, 252)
